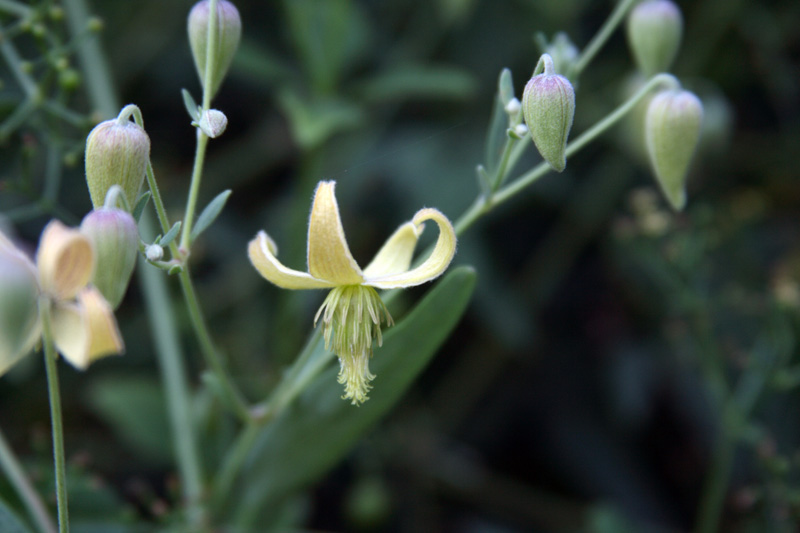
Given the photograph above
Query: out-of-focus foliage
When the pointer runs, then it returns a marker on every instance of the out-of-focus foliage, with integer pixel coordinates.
(574, 395)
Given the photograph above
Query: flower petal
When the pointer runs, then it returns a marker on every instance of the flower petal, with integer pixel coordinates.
(395, 255)
(65, 259)
(329, 258)
(19, 306)
(262, 250)
(86, 330)
(434, 265)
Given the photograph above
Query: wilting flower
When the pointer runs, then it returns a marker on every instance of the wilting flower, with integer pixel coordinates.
(352, 312)
(82, 322)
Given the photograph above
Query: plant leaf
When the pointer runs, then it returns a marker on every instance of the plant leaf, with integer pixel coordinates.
(9, 521)
(171, 234)
(319, 428)
(498, 124)
(191, 106)
(141, 203)
(210, 213)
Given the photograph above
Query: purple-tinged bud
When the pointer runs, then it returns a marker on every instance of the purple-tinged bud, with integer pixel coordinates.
(548, 105)
(655, 28)
(672, 130)
(115, 240)
(229, 31)
(117, 152)
(19, 308)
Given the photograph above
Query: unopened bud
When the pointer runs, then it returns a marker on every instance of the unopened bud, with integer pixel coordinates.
(116, 154)
(655, 28)
(229, 30)
(548, 105)
(19, 311)
(115, 239)
(513, 107)
(213, 123)
(672, 130)
(154, 252)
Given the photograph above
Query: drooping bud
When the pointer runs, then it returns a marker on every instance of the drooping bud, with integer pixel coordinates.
(548, 105)
(117, 152)
(655, 28)
(672, 130)
(213, 123)
(115, 240)
(229, 30)
(19, 311)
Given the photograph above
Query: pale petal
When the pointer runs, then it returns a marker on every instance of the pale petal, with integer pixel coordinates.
(262, 250)
(329, 258)
(19, 307)
(65, 259)
(434, 265)
(86, 331)
(395, 255)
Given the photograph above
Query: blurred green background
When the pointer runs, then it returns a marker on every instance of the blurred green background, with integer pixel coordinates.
(571, 397)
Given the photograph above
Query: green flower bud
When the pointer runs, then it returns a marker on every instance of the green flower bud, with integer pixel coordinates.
(229, 30)
(672, 130)
(117, 152)
(19, 308)
(655, 28)
(115, 240)
(548, 105)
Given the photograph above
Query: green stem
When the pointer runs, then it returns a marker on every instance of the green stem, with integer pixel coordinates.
(716, 485)
(9, 6)
(602, 36)
(16, 475)
(233, 396)
(176, 387)
(194, 189)
(55, 418)
(11, 56)
(202, 138)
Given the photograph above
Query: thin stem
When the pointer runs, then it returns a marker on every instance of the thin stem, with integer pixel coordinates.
(9, 6)
(716, 484)
(11, 56)
(210, 353)
(503, 167)
(202, 138)
(602, 36)
(31, 499)
(55, 418)
(194, 189)
(176, 387)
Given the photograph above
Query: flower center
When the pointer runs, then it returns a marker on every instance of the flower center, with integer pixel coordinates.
(351, 318)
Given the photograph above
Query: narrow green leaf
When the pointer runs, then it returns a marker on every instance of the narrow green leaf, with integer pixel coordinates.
(171, 234)
(175, 269)
(319, 428)
(191, 106)
(9, 521)
(498, 124)
(210, 213)
(141, 203)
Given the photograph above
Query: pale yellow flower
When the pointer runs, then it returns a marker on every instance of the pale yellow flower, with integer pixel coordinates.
(82, 322)
(352, 312)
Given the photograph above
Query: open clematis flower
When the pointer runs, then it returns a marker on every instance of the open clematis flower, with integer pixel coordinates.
(353, 312)
(82, 322)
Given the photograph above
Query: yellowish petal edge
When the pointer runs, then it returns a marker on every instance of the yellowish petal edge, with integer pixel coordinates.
(260, 251)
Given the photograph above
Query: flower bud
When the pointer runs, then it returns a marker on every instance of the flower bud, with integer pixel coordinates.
(672, 130)
(655, 28)
(154, 252)
(116, 154)
(213, 123)
(115, 239)
(548, 105)
(229, 30)
(19, 311)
